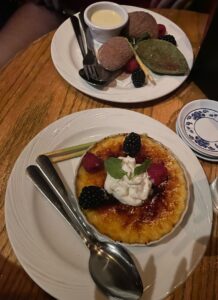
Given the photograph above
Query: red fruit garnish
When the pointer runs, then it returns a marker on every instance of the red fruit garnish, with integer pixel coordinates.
(139, 159)
(131, 66)
(161, 30)
(91, 163)
(158, 173)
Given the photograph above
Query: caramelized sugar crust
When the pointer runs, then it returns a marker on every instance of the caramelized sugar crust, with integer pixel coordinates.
(157, 216)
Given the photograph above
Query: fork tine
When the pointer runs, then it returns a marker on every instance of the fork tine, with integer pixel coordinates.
(89, 68)
(86, 72)
(94, 72)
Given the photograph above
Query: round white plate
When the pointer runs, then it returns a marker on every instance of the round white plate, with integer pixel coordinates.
(198, 123)
(49, 249)
(198, 154)
(67, 59)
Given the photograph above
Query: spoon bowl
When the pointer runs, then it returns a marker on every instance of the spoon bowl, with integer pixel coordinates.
(119, 276)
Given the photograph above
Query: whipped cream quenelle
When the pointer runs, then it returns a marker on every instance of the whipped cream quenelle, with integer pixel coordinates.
(130, 190)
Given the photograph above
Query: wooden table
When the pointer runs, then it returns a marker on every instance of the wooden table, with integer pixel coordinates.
(33, 95)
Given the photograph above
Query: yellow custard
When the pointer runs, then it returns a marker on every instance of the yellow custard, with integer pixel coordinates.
(106, 18)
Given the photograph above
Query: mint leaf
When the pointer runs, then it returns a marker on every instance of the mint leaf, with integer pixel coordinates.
(113, 166)
(142, 168)
(143, 37)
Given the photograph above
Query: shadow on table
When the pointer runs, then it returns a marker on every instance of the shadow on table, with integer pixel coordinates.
(16, 284)
(205, 71)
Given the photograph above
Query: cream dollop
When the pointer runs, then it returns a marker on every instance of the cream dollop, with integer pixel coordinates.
(130, 190)
(106, 18)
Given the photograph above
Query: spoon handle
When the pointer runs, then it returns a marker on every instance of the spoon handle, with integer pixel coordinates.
(61, 205)
(53, 179)
(56, 184)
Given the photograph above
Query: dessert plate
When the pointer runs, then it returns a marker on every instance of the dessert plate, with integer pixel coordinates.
(198, 125)
(67, 60)
(52, 253)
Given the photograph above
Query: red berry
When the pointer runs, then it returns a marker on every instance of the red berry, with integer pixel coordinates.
(139, 159)
(158, 173)
(131, 66)
(91, 163)
(161, 30)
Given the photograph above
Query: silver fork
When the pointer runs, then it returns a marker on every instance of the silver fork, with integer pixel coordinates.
(90, 64)
(89, 58)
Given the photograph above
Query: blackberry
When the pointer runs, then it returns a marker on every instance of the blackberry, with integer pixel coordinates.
(138, 78)
(92, 197)
(132, 144)
(169, 38)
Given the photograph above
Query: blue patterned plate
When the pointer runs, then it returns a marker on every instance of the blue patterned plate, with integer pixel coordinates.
(199, 155)
(198, 125)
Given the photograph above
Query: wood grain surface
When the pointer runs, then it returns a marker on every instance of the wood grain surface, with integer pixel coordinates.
(32, 95)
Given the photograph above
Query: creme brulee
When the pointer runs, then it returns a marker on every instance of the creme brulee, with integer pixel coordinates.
(106, 18)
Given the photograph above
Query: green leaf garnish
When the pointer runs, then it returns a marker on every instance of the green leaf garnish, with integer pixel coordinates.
(134, 40)
(113, 166)
(142, 168)
(143, 37)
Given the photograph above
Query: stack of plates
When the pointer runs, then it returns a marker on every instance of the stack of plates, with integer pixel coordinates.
(197, 125)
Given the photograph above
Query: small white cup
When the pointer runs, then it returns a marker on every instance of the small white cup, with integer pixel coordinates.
(102, 33)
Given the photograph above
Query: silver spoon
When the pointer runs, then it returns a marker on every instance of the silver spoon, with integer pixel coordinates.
(110, 265)
(214, 192)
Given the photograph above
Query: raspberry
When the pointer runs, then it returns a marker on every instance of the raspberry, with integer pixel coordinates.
(169, 38)
(132, 144)
(158, 173)
(161, 30)
(131, 65)
(139, 159)
(91, 163)
(93, 196)
(138, 78)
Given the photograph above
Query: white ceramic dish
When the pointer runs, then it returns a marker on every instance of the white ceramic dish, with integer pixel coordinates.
(198, 154)
(104, 237)
(103, 33)
(67, 60)
(198, 123)
(52, 253)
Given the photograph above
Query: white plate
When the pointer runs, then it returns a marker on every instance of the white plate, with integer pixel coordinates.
(52, 253)
(198, 124)
(199, 155)
(67, 59)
